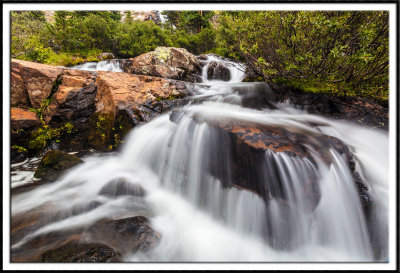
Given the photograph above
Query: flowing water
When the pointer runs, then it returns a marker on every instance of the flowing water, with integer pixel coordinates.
(185, 168)
(109, 65)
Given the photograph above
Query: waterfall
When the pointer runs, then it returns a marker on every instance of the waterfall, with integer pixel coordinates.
(109, 65)
(303, 208)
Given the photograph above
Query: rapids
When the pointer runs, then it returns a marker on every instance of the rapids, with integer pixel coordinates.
(203, 219)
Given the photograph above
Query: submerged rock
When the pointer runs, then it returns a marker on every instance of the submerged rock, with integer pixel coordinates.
(119, 187)
(54, 164)
(166, 62)
(126, 235)
(73, 252)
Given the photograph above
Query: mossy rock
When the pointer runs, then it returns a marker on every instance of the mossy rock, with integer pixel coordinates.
(81, 253)
(54, 164)
(100, 130)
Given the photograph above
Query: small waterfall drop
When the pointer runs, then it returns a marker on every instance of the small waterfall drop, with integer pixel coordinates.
(301, 207)
(109, 65)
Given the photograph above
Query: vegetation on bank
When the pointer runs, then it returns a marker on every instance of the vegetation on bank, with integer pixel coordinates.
(337, 52)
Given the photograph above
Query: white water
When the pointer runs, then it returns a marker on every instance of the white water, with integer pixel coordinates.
(109, 65)
(198, 219)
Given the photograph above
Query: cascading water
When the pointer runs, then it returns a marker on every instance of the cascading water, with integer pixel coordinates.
(109, 65)
(302, 208)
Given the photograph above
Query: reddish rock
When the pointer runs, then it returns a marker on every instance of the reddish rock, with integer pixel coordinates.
(23, 123)
(33, 79)
(166, 62)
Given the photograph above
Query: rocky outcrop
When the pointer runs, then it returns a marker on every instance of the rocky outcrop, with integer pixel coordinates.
(54, 164)
(166, 62)
(101, 106)
(32, 83)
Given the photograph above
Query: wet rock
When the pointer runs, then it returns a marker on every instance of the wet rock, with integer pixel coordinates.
(81, 253)
(218, 71)
(166, 62)
(362, 111)
(54, 164)
(120, 187)
(32, 80)
(23, 123)
(125, 235)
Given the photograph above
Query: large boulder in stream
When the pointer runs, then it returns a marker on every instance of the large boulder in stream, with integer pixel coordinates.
(218, 71)
(166, 62)
(256, 151)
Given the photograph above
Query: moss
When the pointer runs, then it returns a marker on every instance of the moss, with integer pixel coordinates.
(162, 53)
(100, 132)
(54, 164)
(170, 97)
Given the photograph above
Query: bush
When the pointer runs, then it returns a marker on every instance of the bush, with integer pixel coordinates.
(347, 50)
(135, 38)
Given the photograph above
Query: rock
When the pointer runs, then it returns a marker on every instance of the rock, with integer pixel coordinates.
(32, 80)
(364, 112)
(217, 71)
(101, 106)
(103, 241)
(74, 252)
(119, 187)
(252, 164)
(73, 102)
(125, 235)
(106, 56)
(142, 16)
(23, 123)
(166, 62)
(54, 164)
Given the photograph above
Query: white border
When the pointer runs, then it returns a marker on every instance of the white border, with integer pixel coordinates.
(203, 266)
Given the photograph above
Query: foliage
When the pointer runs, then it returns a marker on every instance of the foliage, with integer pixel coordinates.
(45, 133)
(135, 38)
(347, 50)
(342, 51)
(191, 21)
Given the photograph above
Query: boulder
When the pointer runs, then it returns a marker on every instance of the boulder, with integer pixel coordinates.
(218, 71)
(166, 62)
(32, 80)
(125, 235)
(103, 241)
(106, 56)
(124, 100)
(54, 164)
(253, 152)
(23, 123)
